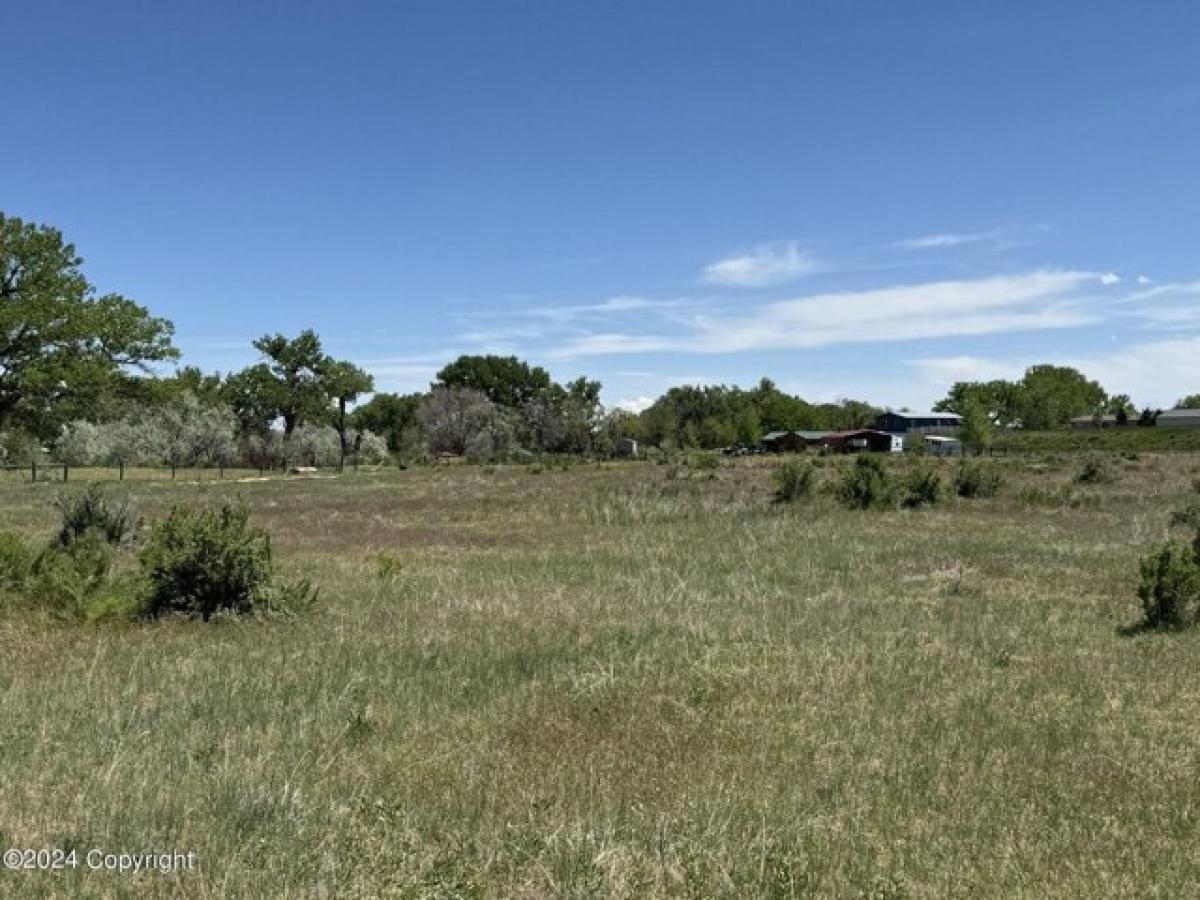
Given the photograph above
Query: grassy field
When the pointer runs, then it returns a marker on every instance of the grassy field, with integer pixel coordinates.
(628, 680)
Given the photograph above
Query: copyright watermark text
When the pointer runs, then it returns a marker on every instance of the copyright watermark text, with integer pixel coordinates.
(57, 858)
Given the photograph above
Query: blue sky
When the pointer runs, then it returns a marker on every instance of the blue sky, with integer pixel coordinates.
(867, 199)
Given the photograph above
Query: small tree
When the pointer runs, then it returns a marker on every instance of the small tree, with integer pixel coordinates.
(344, 382)
(976, 429)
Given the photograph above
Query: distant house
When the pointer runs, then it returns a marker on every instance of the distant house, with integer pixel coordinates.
(1179, 418)
(791, 441)
(917, 423)
(625, 448)
(863, 440)
(783, 442)
(940, 445)
(1107, 421)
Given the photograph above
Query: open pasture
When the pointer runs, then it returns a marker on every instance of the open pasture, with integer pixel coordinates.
(627, 680)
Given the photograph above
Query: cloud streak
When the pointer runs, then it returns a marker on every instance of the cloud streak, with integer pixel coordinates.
(944, 240)
(764, 266)
(1042, 299)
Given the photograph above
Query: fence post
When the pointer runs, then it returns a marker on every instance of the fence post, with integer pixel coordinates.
(221, 468)
(172, 470)
(121, 466)
(355, 462)
(66, 472)
(33, 471)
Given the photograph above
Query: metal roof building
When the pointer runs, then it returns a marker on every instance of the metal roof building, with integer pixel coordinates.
(1179, 418)
(919, 423)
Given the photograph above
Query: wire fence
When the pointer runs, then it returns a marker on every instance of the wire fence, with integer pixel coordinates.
(61, 472)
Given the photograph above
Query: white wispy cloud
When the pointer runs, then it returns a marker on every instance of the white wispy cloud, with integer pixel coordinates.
(1110, 278)
(1153, 373)
(764, 266)
(946, 239)
(635, 404)
(1036, 300)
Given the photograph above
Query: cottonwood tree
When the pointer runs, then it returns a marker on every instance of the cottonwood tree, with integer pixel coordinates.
(451, 417)
(394, 416)
(504, 380)
(343, 382)
(64, 348)
(976, 428)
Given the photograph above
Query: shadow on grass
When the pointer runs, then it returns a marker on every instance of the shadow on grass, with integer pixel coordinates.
(1144, 627)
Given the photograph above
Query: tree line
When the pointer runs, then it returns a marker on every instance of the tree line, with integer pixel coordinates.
(77, 376)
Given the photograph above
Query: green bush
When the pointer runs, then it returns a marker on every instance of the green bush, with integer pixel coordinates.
(199, 562)
(867, 485)
(922, 487)
(16, 561)
(90, 510)
(202, 561)
(794, 480)
(66, 578)
(1096, 469)
(1188, 516)
(1170, 585)
(976, 480)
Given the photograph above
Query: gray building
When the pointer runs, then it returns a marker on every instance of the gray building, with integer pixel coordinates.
(918, 423)
(1179, 418)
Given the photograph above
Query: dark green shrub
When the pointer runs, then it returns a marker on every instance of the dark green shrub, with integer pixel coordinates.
(1096, 469)
(1170, 585)
(976, 480)
(199, 562)
(91, 510)
(867, 485)
(793, 480)
(922, 487)
(16, 561)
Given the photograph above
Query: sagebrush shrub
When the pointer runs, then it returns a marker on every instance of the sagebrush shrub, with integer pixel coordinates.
(201, 561)
(977, 480)
(1170, 585)
(922, 487)
(16, 560)
(867, 485)
(793, 480)
(91, 510)
(64, 578)
(1188, 516)
(1096, 469)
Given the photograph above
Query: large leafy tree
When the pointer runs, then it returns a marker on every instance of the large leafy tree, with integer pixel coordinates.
(63, 348)
(505, 380)
(290, 384)
(1002, 400)
(392, 415)
(1052, 395)
(1192, 401)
